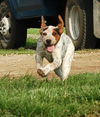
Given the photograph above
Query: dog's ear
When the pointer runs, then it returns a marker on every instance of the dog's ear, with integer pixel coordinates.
(43, 22)
(61, 24)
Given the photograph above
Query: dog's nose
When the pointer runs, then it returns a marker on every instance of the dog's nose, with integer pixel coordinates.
(48, 41)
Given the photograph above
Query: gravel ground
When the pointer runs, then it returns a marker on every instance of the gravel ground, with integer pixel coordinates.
(18, 65)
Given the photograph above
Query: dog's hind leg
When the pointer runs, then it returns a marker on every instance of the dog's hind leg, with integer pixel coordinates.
(65, 70)
(63, 74)
(67, 61)
(66, 65)
(58, 71)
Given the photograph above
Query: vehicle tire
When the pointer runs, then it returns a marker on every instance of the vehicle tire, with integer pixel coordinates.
(78, 23)
(12, 32)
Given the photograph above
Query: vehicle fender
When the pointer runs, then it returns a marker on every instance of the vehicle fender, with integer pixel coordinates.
(22, 9)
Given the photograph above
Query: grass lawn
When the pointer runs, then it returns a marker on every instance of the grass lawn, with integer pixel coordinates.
(79, 96)
(33, 31)
(28, 49)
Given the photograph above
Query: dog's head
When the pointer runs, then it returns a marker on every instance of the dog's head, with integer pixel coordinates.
(51, 34)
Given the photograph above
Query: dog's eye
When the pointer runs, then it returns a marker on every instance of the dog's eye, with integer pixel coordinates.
(54, 33)
(44, 34)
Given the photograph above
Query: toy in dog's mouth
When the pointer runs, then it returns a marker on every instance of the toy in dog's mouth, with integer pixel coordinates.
(50, 48)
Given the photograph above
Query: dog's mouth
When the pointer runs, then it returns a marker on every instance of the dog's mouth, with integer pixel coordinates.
(50, 48)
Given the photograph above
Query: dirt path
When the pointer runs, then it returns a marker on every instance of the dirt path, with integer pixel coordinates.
(17, 65)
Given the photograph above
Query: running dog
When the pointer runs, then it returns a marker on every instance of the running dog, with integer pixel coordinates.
(56, 47)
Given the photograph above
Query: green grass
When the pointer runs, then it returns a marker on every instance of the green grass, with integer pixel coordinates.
(28, 49)
(78, 96)
(19, 51)
(33, 31)
(31, 43)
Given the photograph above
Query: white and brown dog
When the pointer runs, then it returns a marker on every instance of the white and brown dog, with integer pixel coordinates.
(57, 48)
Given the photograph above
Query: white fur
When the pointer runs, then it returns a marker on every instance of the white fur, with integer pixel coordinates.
(49, 35)
(60, 59)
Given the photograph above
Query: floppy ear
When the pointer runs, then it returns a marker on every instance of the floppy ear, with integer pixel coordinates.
(61, 24)
(43, 22)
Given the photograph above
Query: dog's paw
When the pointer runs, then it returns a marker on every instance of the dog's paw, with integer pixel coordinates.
(41, 73)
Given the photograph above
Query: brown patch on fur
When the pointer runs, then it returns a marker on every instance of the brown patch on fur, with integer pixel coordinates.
(56, 34)
(61, 24)
(43, 29)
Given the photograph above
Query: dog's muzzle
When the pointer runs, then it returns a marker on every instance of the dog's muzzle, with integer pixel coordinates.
(48, 42)
(49, 46)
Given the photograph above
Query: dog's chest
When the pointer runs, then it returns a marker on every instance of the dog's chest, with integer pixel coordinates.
(48, 56)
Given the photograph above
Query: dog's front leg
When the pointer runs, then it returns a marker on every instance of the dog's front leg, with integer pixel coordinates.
(39, 62)
(52, 66)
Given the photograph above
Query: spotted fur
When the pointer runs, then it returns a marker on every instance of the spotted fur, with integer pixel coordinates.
(61, 57)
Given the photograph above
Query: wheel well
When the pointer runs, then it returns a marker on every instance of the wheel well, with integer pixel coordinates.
(53, 20)
(1, 1)
(62, 8)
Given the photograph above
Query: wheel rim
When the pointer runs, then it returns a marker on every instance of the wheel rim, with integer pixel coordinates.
(74, 25)
(5, 28)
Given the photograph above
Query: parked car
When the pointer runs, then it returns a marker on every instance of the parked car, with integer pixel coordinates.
(82, 20)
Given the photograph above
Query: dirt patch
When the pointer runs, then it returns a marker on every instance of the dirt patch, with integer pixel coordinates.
(17, 65)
